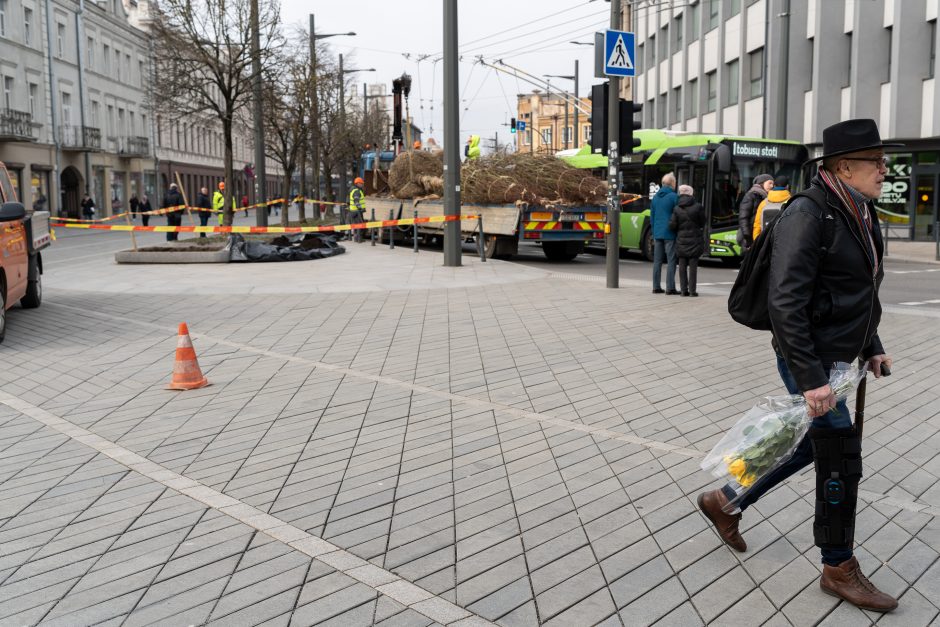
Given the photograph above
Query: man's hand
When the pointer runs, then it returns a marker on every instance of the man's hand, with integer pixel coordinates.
(819, 401)
(874, 364)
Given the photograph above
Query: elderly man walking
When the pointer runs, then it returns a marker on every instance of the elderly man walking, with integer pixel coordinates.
(664, 238)
(825, 272)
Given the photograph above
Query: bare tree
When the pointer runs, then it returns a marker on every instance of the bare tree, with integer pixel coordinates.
(203, 62)
(285, 117)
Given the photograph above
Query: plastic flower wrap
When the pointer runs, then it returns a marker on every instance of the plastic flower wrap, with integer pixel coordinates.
(766, 436)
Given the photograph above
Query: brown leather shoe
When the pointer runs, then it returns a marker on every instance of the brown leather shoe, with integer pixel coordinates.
(847, 582)
(711, 504)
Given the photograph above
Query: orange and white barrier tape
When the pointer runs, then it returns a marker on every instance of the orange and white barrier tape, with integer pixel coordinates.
(335, 228)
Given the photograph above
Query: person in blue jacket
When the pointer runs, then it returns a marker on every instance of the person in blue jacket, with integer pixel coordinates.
(664, 238)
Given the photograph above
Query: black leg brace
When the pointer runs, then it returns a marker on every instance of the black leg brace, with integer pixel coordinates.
(837, 455)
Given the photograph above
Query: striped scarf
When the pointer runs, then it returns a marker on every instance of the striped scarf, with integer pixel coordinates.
(856, 208)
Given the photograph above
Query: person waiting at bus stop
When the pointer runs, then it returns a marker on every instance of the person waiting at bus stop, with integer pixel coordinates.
(688, 222)
(357, 206)
(664, 238)
(753, 197)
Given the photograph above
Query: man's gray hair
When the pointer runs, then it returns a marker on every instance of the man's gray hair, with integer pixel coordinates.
(669, 178)
(686, 190)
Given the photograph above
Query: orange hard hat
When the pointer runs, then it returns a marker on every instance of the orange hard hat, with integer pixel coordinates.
(358, 181)
(417, 144)
(221, 184)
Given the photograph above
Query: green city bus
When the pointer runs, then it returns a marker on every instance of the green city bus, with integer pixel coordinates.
(720, 168)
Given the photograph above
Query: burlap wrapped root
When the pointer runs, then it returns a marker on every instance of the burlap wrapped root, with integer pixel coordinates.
(499, 179)
(418, 173)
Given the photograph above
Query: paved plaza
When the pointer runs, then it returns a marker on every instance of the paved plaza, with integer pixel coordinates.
(387, 441)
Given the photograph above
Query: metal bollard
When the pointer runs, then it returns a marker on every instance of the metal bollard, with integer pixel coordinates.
(391, 230)
(936, 239)
(480, 238)
(372, 230)
(414, 231)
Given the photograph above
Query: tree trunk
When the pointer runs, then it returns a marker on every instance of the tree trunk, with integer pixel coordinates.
(301, 209)
(229, 174)
(285, 208)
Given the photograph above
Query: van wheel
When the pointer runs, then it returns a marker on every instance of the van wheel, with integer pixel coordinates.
(3, 312)
(33, 297)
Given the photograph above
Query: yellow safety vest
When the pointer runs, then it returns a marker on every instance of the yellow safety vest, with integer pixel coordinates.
(357, 200)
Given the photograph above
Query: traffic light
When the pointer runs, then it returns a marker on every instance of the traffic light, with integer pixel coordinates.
(512, 125)
(630, 143)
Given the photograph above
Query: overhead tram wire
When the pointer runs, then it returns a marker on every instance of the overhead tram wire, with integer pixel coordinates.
(555, 40)
(516, 27)
(566, 25)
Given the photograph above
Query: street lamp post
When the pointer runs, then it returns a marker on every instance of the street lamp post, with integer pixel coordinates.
(315, 122)
(343, 189)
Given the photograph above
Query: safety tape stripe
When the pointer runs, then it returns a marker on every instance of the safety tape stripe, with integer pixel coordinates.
(264, 229)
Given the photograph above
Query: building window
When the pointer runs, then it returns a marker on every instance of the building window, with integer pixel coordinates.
(66, 109)
(693, 98)
(3, 18)
(8, 92)
(117, 63)
(33, 98)
(652, 50)
(140, 73)
(932, 57)
(566, 136)
(734, 7)
(695, 22)
(663, 44)
(661, 111)
(639, 56)
(106, 58)
(28, 26)
(586, 132)
(648, 112)
(711, 85)
(90, 53)
(731, 84)
(714, 14)
(60, 40)
(756, 72)
(890, 53)
(94, 114)
(848, 75)
(676, 105)
(677, 30)
(127, 66)
(547, 137)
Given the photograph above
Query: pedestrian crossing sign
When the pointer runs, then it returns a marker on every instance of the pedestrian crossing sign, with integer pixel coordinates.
(619, 53)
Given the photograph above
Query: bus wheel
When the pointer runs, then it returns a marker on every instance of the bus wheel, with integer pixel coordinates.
(562, 251)
(647, 245)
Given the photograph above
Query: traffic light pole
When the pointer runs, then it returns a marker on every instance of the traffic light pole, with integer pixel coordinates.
(613, 167)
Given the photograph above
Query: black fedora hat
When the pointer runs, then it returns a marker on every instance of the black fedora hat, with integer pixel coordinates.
(849, 136)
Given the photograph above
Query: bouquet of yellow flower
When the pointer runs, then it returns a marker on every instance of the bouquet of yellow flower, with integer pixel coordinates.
(769, 432)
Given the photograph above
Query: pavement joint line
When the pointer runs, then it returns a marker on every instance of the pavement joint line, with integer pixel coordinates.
(419, 600)
(866, 495)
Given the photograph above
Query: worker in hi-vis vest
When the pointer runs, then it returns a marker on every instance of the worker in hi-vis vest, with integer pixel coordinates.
(218, 202)
(357, 206)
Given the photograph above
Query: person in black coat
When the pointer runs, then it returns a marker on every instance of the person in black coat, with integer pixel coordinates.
(688, 221)
(144, 207)
(173, 198)
(203, 202)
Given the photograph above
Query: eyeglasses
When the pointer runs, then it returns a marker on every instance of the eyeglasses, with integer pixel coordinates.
(880, 162)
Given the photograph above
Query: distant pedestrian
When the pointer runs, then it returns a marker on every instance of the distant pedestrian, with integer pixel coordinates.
(218, 203)
(688, 222)
(245, 204)
(171, 199)
(357, 207)
(472, 149)
(40, 203)
(664, 238)
(203, 203)
(753, 197)
(134, 204)
(145, 209)
(771, 206)
(88, 207)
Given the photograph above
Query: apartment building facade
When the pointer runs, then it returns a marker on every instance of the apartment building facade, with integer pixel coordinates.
(789, 68)
(548, 128)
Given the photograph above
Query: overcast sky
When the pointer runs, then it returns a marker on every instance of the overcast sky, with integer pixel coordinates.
(532, 35)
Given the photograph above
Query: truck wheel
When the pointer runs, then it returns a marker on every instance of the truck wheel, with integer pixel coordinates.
(3, 311)
(33, 296)
(646, 243)
(562, 251)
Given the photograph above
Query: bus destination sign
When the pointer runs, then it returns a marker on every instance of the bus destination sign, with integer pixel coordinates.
(770, 152)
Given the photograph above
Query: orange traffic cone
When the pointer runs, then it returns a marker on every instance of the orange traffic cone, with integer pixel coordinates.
(186, 372)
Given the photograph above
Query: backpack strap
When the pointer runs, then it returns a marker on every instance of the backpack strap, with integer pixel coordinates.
(818, 196)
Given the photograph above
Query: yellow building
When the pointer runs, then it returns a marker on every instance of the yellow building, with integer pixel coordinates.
(544, 117)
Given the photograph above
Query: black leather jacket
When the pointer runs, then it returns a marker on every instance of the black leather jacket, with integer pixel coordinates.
(823, 304)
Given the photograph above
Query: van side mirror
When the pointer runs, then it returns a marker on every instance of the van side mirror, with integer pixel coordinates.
(722, 156)
(10, 211)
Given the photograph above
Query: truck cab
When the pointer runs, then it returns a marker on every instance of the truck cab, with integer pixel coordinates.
(22, 235)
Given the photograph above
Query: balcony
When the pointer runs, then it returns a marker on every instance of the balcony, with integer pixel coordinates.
(80, 138)
(134, 146)
(16, 126)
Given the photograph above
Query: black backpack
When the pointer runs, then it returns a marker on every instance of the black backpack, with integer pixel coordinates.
(747, 302)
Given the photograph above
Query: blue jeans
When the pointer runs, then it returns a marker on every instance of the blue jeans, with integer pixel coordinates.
(837, 418)
(669, 247)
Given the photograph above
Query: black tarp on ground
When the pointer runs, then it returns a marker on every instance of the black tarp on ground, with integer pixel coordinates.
(288, 247)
